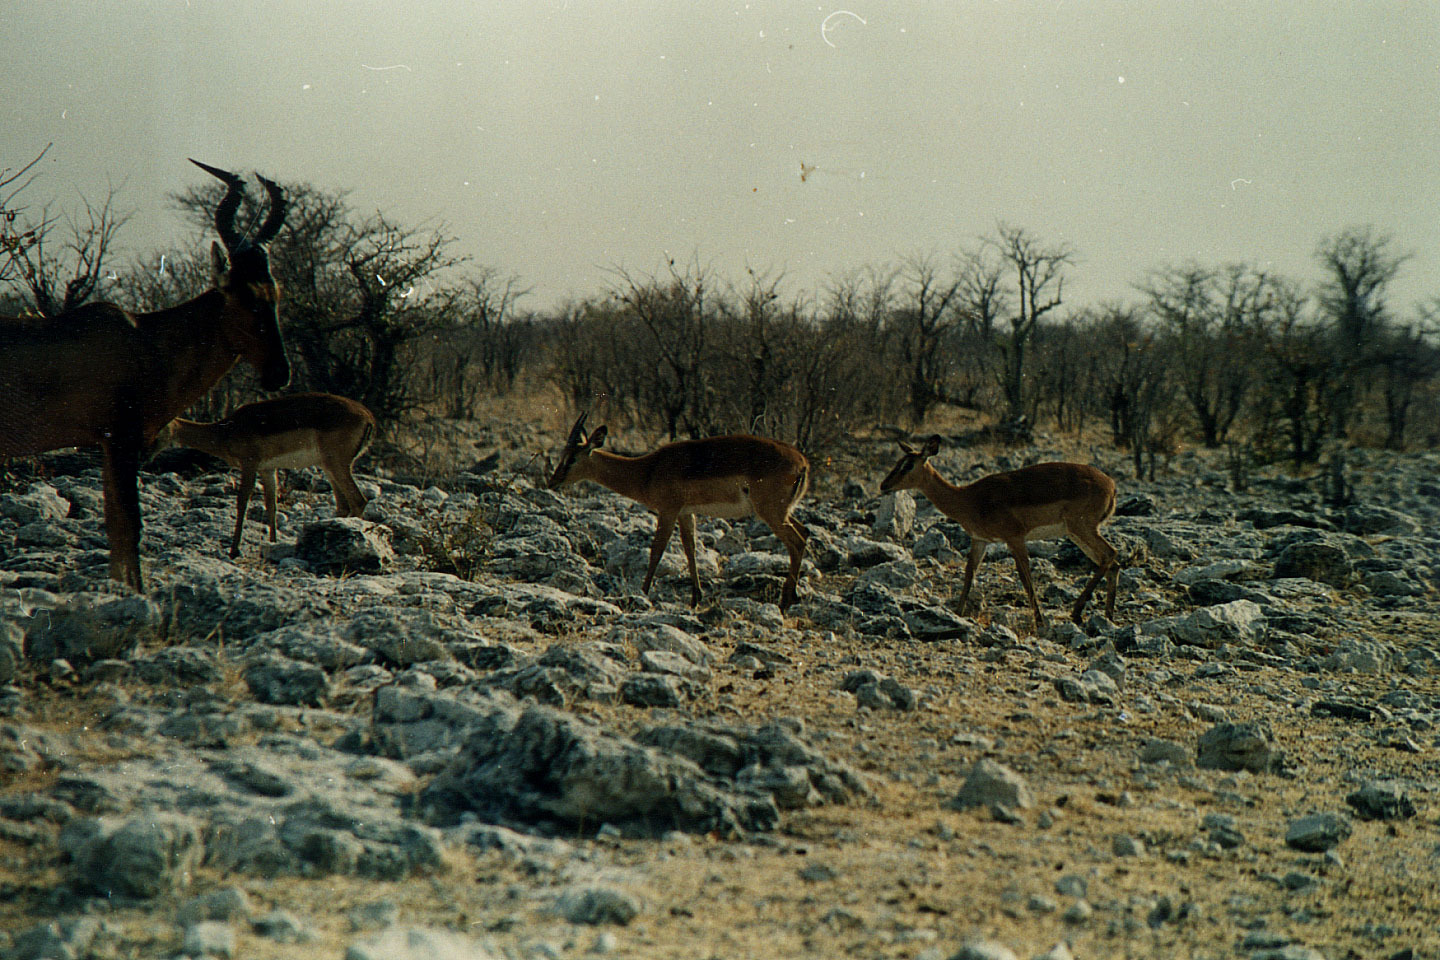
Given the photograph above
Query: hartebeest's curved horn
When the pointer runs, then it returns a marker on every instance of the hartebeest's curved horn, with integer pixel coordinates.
(229, 204)
(276, 219)
(577, 432)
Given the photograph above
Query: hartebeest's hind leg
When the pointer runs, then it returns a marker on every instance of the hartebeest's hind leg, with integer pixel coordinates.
(687, 540)
(122, 506)
(1107, 564)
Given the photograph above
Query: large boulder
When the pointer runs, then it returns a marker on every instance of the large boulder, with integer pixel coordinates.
(543, 765)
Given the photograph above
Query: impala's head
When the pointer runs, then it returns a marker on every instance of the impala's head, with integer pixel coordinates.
(242, 274)
(574, 459)
(906, 473)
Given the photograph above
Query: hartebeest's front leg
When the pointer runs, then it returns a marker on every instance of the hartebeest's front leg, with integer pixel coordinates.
(122, 506)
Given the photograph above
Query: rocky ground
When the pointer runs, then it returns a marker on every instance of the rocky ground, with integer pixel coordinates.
(454, 729)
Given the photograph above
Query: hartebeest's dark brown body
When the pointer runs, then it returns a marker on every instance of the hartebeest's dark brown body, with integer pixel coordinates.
(733, 476)
(99, 376)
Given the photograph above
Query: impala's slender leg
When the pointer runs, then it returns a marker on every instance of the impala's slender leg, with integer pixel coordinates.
(247, 486)
(349, 501)
(269, 488)
(1022, 564)
(1106, 559)
(795, 537)
(797, 556)
(972, 564)
(664, 526)
(122, 507)
(789, 531)
(687, 540)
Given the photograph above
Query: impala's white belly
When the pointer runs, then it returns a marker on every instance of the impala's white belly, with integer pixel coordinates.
(730, 510)
(291, 460)
(1046, 533)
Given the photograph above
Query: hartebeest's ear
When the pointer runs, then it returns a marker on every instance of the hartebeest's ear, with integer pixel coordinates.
(219, 264)
(932, 446)
(906, 449)
(597, 438)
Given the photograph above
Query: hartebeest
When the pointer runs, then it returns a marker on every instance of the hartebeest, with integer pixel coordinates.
(301, 430)
(101, 376)
(734, 476)
(1037, 502)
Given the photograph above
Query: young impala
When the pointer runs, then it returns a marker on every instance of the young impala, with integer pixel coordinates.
(301, 430)
(734, 476)
(1033, 503)
(101, 376)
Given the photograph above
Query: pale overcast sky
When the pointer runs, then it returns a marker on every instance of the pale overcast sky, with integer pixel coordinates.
(560, 138)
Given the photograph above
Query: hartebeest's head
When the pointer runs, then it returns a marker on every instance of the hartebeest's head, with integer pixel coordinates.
(242, 274)
(574, 459)
(906, 473)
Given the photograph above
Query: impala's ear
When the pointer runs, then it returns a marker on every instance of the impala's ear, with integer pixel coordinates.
(906, 449)
(219, 264)
(577, 432)
(597, 438)
(932, 446)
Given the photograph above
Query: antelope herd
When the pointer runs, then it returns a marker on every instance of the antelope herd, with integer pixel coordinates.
(100, 376)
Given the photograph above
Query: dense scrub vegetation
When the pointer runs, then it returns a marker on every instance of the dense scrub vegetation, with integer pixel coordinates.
(1213, 354)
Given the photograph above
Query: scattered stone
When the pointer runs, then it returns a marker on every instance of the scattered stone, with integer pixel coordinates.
(345, 545)
(1318, 560)
(227, 903)
(280, 680)
(374, 916)
(55, 940)
(282, 926)
(210, 938)
(1165, 751)
(145, 857)
(418, 943)
(539, 764)
(985, 950)
(1238, 746)
(1318, 832)
(1061, 951)
(598, 905)
(1240, 622)
(1381, 800)
(992, 784)
(879, 692)
(895, 517)
(1127, 846)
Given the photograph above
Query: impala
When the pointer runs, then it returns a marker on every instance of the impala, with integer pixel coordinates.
(735, 476)
(301, 430)
(1033, 503)
(101, 376)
